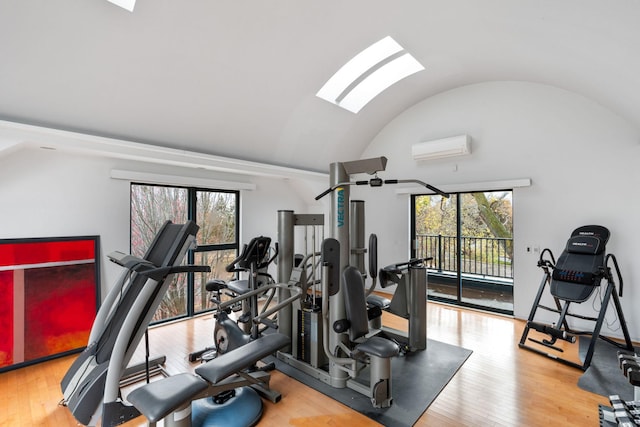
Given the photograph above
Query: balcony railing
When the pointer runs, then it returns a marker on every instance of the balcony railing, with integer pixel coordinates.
(484, 256)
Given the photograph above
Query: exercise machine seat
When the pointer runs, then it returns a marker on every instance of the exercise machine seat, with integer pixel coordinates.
(239, 287)
(158, 399)
(242, 357)
(379, 347)
(356, 312)
(253, 253)
(215, 285)
(378, 301)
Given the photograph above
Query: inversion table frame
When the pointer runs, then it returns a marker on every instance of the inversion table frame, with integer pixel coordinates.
(580, 269)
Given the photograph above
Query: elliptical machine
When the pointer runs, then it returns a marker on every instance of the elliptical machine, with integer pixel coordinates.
(229, 334)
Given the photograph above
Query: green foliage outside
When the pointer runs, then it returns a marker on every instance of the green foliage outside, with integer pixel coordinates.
(483, 215)
(437, 215)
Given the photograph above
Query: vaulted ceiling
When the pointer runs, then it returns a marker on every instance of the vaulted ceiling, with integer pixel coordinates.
(238, 78)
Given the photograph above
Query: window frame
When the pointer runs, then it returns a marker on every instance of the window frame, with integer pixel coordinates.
(192, 203)
(458, 300)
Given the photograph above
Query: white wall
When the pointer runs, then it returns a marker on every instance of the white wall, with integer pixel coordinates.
(582, 160)
(49, 193)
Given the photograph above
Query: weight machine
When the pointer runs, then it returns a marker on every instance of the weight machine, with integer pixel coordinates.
(342, 332)
(303, 322)
(409, 299)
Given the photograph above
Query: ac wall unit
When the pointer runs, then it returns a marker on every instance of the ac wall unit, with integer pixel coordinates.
(442, 148)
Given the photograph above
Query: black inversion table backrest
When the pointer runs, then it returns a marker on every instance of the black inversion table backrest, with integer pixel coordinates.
(580, 266)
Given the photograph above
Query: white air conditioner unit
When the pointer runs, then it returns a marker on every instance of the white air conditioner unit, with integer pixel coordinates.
(441, 148)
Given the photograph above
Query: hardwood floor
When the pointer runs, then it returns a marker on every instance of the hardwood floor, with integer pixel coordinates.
(499, 385)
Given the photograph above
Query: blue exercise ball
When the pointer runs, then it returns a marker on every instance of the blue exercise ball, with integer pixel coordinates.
(242, 410)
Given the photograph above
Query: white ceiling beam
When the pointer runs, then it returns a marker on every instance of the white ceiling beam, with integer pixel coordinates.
(21, 135)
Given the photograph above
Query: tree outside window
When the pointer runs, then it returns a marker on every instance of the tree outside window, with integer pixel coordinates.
(215, 211)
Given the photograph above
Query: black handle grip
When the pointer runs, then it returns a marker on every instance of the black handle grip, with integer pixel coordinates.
(438, 191)
(324, 193)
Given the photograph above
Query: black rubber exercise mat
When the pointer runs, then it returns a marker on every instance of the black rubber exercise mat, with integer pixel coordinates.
(417, 379)
(604, 376)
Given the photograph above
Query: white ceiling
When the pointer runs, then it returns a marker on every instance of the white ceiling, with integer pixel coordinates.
(238, 78)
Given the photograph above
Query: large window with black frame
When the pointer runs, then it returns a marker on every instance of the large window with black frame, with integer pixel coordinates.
(215, 211)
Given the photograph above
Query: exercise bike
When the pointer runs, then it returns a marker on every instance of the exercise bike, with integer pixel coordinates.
(228, 333)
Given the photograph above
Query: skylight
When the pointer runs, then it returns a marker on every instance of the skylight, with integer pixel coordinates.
(125, 4)
(368, 74)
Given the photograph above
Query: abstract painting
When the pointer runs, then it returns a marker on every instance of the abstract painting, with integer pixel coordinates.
(49, 295)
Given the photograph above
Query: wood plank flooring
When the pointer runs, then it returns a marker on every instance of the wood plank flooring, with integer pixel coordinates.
(499, 385)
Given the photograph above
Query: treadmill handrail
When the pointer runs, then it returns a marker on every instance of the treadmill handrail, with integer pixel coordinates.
(148, 269)
(161, 272)
(130, 262)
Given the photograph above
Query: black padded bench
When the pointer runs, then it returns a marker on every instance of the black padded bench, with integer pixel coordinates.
(242, 357)
(160, 398)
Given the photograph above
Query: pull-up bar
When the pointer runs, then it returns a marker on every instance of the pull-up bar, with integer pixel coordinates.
(378, 182)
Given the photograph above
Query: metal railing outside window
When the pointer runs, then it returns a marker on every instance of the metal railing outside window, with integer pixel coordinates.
(484, 256)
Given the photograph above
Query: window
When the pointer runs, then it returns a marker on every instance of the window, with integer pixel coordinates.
(470, 238)
(215, 211)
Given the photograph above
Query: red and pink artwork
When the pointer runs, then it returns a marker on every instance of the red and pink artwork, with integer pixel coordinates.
(49, 292)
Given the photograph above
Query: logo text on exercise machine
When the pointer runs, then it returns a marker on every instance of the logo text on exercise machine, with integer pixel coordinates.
(340, 210)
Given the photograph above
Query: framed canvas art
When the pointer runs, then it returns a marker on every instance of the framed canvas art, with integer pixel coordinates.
(49, 296)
